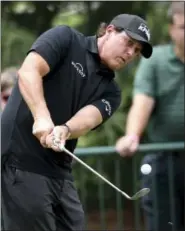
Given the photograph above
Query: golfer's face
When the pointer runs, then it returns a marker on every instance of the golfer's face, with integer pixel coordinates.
(120, 49)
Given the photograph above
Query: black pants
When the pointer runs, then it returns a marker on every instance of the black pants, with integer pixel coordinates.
(164, 205)
(32, 202)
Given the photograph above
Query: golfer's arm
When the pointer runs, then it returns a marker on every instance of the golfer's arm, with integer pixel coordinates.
(84, 120)
(139, 114)
(30, 77)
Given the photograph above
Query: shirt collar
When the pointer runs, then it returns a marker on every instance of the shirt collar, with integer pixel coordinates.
(91, 45)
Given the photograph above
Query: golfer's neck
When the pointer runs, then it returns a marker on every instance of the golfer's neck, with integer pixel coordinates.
(100, 43)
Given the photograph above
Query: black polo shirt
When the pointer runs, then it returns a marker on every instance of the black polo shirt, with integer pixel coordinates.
(76, 79)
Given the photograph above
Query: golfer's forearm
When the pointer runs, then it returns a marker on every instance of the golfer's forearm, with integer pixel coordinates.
(78, 128)
(31, 88)
(84, 121)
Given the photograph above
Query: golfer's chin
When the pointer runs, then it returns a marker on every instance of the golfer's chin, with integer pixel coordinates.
(116, 66)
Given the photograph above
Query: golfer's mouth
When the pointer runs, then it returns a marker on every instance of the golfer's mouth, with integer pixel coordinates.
(122, 60)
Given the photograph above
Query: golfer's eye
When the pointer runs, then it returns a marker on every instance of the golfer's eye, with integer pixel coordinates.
(137, 50)
(133, 44)
(130, 43)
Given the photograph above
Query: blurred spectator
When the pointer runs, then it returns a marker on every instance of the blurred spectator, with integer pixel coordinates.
(8, 78)
(159, 99)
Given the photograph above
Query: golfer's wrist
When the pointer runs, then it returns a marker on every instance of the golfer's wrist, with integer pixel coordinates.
(42, 116)
(68, 129)
(40, 111)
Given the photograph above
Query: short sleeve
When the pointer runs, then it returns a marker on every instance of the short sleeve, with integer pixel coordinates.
(53, 45)
(109, 102)
(145, 79)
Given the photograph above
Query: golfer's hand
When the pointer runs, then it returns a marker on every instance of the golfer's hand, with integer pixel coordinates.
(42, 127)
(57, 137)
(127, 145)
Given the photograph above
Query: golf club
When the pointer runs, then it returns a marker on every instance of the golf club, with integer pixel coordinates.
(136, 196)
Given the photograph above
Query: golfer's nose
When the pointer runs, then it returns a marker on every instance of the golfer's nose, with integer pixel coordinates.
(130, 51)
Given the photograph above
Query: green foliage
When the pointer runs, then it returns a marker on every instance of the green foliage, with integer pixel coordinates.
(74, 15)
(73, 21)
(157, 20)
(15, 44)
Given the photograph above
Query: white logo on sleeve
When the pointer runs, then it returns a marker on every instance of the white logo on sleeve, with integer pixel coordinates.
(108, 107)
(79, 68)
(144, 29)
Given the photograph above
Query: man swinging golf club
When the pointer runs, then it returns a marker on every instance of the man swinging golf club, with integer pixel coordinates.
(65, 89)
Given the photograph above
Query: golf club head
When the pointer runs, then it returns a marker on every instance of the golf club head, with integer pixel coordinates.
(141, 193)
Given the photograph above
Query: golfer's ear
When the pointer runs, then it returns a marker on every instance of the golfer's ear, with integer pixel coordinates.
(110, 28)
(34, 63)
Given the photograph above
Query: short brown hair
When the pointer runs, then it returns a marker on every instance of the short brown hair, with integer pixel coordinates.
(176, 7)
(102, 29)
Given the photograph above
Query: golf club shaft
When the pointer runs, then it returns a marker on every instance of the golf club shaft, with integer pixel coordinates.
(95, 172)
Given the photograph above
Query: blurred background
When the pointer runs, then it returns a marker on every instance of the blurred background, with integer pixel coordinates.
(22, 22)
